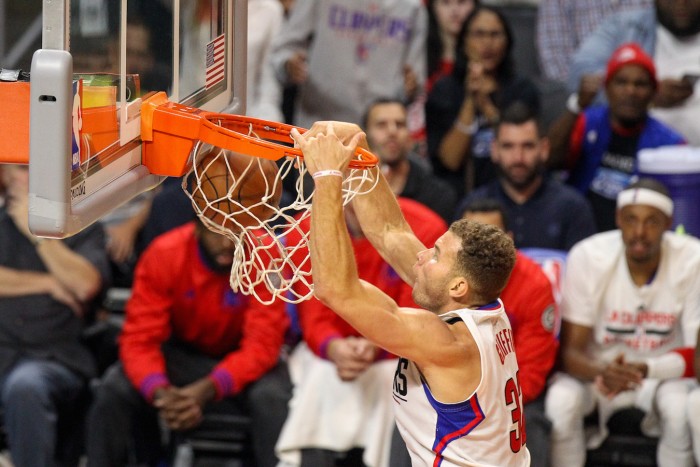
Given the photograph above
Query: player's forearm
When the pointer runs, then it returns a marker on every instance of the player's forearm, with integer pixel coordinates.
(386, 228)
(333, 261)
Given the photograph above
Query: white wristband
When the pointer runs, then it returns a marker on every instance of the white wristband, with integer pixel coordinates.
(326, 173)
(572, 104)
(665, 366)
(465, 129)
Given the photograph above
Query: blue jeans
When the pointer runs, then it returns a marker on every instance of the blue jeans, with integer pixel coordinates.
(33, 393)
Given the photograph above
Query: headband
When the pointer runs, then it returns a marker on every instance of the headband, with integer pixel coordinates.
(647, 197)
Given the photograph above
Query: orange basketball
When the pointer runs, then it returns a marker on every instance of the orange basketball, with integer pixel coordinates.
(236, 190)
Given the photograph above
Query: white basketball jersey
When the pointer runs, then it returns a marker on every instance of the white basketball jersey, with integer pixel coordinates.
(487, 429)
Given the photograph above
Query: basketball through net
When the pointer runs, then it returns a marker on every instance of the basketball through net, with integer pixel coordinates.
(239, 196)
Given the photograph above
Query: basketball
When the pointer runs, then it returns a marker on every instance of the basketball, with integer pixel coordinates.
(236, 191)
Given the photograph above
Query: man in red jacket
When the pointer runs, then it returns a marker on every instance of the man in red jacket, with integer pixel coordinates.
(191, 345)
(341, 394)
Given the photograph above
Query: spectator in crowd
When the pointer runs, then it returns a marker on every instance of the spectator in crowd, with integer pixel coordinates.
(289, 90)
(630, 314)
(562, 25)
(694, 408)
(123, 227)
(343, 54)
(191, 346)
(543, 213)
(46, 288)
(170, 208)
(531, 308)
(599, 143)
(264, 96)
(408, 175)
(463, 107)
(287, 5)
(670, 33)
(506, 3)
(445, 21)
(349, 367)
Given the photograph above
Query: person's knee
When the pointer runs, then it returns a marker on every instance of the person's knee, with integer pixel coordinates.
(25, 384)
(113, 391)
(272, 390)
(672, 401)
(565, 403)
(693, 410)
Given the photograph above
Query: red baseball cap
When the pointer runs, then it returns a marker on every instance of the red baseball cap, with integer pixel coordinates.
(630, 54)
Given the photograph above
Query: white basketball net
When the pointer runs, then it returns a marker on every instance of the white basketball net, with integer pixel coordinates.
(263, 253)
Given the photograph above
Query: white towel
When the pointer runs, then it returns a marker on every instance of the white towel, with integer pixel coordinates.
(328, 413)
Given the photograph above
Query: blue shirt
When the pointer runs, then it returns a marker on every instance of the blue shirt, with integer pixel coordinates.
(555, 217)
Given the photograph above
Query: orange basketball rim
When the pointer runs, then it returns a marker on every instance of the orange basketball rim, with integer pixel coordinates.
(169, 132)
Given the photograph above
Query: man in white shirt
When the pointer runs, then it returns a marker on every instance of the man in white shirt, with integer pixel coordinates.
(630, 314)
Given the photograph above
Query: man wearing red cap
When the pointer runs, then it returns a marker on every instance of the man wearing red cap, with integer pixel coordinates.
(598, 144)
(670, 34)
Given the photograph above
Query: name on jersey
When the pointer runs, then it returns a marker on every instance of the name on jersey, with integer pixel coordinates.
(504, 343)
(640, 330)
(658, 319)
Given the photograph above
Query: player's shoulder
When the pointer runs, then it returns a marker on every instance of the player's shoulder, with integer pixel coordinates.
(682, 247)
(595, 255)
(600, 244)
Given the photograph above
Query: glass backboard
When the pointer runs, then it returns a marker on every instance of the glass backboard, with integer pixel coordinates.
(99, 59)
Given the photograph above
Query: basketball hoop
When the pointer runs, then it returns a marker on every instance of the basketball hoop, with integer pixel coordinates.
(235, 189)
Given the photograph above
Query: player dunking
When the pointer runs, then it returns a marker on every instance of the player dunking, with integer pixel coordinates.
(456, 388)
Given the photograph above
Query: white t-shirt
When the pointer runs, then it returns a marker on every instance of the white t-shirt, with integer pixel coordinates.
(674, 58)
(481, 431)
(264, 92)
(638, 321)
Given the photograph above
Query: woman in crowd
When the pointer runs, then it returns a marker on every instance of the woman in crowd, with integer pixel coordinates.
(463, 107)
(445, 21)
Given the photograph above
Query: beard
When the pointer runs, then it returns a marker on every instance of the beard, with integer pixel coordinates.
(666, 20)
(522, 182)
(432, 298)
(209, 259)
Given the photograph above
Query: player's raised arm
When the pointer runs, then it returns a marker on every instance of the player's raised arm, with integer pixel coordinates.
(335, 277)
(378, 212)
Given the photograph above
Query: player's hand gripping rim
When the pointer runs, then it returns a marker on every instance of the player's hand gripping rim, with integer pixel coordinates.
(324, 153)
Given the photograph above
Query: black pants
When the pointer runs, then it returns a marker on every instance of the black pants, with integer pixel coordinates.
(121, 422)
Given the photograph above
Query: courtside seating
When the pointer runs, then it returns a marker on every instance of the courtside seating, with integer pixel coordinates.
(221, 440)
(626, 446)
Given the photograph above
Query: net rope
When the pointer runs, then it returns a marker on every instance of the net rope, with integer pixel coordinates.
(270, 250)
